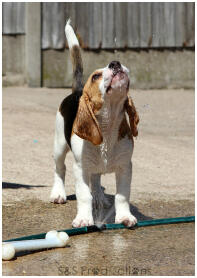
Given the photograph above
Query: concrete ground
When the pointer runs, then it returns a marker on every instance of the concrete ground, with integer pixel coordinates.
(162, 186)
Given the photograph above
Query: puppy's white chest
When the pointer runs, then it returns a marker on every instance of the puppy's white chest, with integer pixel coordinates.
(97, 159)
(112, 157)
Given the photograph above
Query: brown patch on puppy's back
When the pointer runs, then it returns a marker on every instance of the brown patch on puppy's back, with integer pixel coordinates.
(68, 110)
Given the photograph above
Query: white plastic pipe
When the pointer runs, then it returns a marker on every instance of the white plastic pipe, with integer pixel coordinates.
(52, 239)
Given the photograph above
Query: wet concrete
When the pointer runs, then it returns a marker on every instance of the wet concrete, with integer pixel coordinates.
(158, 250)
(162, 186)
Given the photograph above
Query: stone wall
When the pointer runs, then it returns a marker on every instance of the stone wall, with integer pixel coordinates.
(149, 69)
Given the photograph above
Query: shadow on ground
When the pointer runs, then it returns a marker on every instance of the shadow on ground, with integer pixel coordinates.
(9, 185)
(106, 214)
(102, 214)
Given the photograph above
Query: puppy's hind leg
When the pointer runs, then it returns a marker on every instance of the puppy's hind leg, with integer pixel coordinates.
(58, 194)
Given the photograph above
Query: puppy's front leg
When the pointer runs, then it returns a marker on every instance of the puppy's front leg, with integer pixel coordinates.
(123, 182)
(84, 198)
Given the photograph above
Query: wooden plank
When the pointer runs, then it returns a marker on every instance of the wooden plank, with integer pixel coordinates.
(180, 17)
(20, 17)
(145, 25)
(58, 24)
(46, 26)
(133, 22)
(53, 26)
(190, 24)
(6, 19)
(169, 27)
(82, 23)
(120, 16)
(157, 11)
(95, 26)
(33, 44)
(13, 18)
(108, 30)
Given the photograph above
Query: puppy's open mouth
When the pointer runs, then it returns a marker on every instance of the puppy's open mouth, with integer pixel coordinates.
(116, 77)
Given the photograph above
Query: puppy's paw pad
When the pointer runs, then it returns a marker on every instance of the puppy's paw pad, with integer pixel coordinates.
(127, 220)
(58, 200)
(82, 222)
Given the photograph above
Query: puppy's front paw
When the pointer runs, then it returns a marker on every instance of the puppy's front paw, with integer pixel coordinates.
(58, 196)
(128, 220)
(82, 221)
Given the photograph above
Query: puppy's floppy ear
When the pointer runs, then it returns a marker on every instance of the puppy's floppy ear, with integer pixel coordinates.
(133, 116)
(86, 125)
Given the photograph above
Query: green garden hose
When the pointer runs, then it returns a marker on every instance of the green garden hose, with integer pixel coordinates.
(94, 228)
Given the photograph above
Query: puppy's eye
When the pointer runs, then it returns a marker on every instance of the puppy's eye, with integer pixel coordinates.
(96, 76)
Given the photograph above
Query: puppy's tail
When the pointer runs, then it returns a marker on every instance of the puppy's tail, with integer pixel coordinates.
(75, 54)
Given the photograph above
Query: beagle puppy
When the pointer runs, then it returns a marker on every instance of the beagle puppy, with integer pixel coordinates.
(92, 123)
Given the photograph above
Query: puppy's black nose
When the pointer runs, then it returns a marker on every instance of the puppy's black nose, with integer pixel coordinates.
(115, 66)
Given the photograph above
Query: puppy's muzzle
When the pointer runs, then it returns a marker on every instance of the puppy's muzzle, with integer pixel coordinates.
(118, 76)
(115, 66)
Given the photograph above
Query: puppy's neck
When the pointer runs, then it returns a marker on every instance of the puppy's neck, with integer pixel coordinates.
(110, 116)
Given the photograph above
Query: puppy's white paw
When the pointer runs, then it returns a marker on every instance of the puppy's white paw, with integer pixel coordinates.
(58, 195)
(82, 221)
(128, 220)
